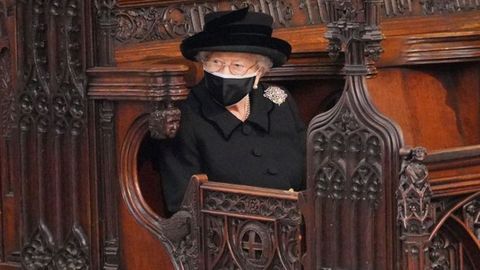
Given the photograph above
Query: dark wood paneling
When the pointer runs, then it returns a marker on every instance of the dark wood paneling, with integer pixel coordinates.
(45, 179)
(8, 186)
(59, 160)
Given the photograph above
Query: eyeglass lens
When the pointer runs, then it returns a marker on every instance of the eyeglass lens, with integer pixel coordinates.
(236, 68)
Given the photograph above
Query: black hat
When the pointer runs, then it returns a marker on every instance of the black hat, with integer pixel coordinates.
(237, 31)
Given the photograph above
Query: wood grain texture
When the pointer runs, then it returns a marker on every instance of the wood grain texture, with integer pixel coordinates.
(61, 140)
(137, 239)
(445, 99)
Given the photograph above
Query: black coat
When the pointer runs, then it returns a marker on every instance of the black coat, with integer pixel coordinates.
(267, 150)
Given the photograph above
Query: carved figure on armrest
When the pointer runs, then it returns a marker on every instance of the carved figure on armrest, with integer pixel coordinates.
(164, 123)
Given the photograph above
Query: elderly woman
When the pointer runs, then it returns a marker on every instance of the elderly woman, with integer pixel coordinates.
(233, 128)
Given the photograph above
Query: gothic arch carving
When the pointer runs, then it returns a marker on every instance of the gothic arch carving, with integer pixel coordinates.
(457, 223)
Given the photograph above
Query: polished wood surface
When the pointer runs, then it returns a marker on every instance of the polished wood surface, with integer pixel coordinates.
(83, 84)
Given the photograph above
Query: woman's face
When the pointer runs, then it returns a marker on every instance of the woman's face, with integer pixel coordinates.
(231, 63)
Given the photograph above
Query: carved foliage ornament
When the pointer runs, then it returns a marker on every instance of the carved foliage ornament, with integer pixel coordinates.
(440, 251)
(347, 141)
(252, 205)
(414, 193)
(74, 253)
(151, 23)
(471, 216)
(40, 252)
(7, 97)
(430, 7)
(427, 7)
(179, 21)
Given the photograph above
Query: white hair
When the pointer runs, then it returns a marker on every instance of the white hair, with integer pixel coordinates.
(262, 60)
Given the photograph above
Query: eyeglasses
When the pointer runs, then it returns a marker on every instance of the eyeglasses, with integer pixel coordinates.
(236, 68)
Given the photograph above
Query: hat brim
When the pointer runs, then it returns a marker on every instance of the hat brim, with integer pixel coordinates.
(276, 49)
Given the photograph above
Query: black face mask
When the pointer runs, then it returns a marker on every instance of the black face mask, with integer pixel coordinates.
(228, 91)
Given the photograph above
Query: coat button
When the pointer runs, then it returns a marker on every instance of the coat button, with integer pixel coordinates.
(246, 129)
(256, 152)
(272, 171)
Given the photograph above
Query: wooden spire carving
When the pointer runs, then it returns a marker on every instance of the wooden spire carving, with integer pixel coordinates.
(352, 156)
(414, 209)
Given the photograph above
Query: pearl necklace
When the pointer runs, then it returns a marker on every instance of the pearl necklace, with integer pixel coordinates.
(247, 109)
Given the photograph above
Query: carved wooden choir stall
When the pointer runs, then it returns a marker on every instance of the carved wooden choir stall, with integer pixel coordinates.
(87, 89)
